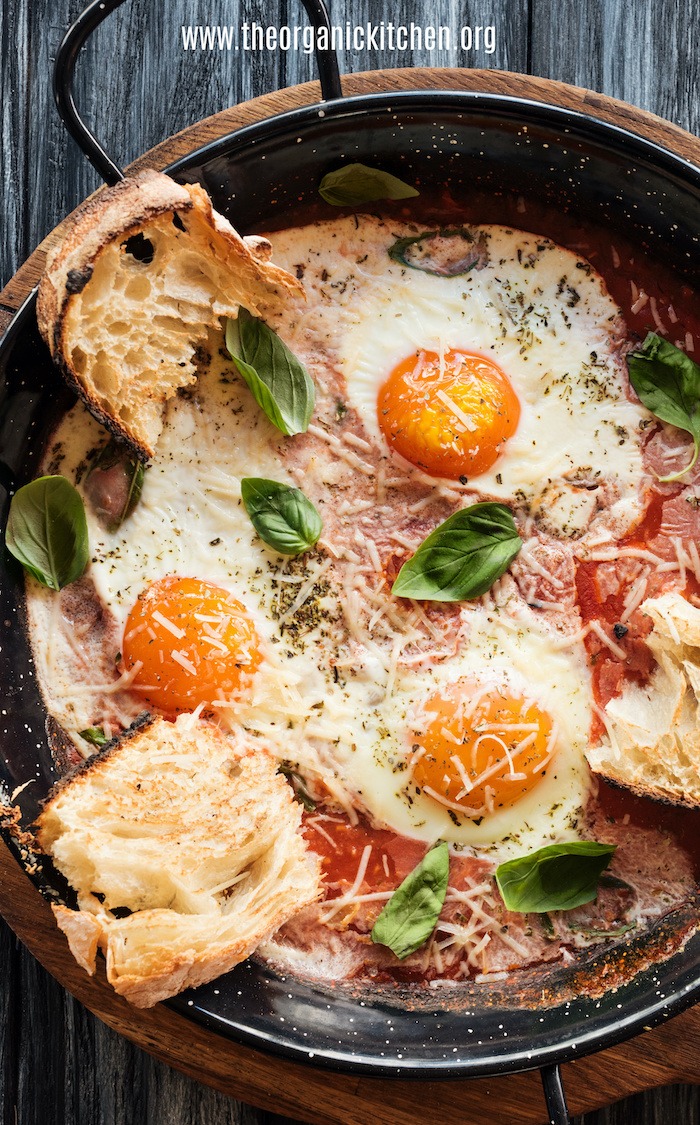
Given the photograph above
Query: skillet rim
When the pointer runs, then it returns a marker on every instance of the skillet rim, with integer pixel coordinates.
(670, 164)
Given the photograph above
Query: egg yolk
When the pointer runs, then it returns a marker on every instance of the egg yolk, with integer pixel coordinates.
(449, 415)
(190, 643)
(482, 750)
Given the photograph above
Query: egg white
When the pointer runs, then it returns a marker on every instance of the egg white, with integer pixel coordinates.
(537, 310)
(507, 652)
(190, 520)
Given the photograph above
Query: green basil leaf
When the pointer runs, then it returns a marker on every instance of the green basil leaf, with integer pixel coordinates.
(282, 516)
(558, 877)
(298, 784)
(463, 557)
(95, 736)
(47, 531)
(113, 485)
(278, 381)
(449, 252)
(411, 914)
(668, 383)
(357, 183)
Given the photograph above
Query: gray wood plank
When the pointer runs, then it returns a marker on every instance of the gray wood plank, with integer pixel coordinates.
(14, 64)
(136, 86)
(643, 52)
(10, 998)
(676, 1105)
(61, 1066)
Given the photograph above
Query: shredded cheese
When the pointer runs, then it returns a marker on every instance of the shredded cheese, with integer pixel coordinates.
(634, 597)
(640, 301)
(464, 419)
(660, 326)
(346, 899)
(176, 631)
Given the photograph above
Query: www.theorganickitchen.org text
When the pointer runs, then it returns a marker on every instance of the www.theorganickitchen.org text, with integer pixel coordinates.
(382, 36)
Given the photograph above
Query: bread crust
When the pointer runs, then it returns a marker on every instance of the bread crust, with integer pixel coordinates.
(652, 740)
(96, 761)
(642, 788)
(112, 217)
(115, 213)
(83, 934)
(215, 862)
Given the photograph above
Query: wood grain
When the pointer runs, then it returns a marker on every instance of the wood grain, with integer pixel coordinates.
(609, 45)
(57, 1063)
(14, 124)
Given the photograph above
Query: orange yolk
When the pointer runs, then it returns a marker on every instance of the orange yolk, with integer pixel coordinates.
(192, 642)
(482, 750)
(450, 417)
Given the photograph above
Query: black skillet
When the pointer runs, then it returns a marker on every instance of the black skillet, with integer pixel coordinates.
(606, 175)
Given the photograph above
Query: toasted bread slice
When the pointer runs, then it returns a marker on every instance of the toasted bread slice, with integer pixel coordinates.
(652, 745)
(146, 270)
(195, 835)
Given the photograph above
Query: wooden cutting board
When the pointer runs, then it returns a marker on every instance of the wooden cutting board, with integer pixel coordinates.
(666, 1055)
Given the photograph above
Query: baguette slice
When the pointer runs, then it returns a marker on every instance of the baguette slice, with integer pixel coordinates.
(652, 744)
(146, 270)
(196, 837)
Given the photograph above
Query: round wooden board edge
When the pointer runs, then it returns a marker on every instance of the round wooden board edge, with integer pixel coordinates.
(507, 83)
(266, 1080)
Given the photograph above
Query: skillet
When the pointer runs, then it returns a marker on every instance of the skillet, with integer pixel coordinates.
(259, 175)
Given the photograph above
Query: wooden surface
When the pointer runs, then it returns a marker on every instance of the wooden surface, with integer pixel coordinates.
(57, 1063)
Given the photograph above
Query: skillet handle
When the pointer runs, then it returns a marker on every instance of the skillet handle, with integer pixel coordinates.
(554, 1095)
(92, 17)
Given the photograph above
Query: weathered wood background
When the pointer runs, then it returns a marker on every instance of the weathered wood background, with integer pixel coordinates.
(138, 85)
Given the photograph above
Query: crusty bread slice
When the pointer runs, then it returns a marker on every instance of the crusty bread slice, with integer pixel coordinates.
(196, 836)
(123, 317)
(652, 745)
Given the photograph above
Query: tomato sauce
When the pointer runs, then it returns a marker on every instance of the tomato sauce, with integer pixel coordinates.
(597, 602)
(341, 844)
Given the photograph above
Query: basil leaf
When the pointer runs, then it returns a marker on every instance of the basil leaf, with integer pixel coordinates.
(298, 785)
(95, 736)
(282, 516)
(113, 485)
(558, 877)
(47, 531)
(668, 383)
(357, 183)
(411, 914)
(463, 557)
(449, 252)
(278, 381)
